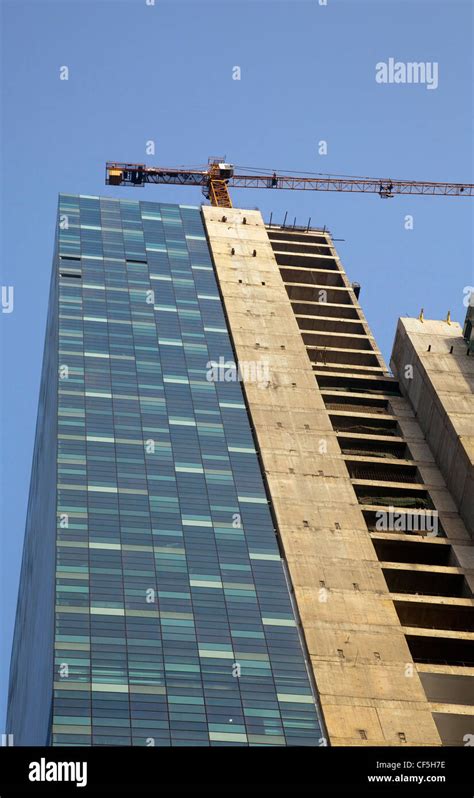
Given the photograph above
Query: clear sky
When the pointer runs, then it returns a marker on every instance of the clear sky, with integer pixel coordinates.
(164, 73)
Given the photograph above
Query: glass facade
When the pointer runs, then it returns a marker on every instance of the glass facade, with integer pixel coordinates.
(173, 622)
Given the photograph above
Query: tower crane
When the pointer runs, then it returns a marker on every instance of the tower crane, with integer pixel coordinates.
(219, 176)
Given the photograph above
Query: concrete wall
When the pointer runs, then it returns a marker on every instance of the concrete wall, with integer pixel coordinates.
(369, 689)
(440, 388)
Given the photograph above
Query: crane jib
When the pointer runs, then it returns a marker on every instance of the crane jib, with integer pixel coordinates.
(219, 177)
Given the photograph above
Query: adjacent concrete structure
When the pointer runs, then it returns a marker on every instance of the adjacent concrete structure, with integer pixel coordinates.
(436, 374)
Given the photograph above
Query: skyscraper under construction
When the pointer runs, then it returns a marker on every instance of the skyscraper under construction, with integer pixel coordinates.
(242, 529)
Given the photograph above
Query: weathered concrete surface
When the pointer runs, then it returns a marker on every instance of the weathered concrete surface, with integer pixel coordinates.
(356, 644)
(440, 388)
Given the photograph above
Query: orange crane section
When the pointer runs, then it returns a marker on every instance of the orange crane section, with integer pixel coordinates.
(219, 176)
